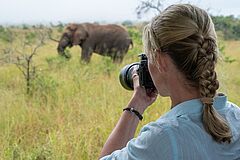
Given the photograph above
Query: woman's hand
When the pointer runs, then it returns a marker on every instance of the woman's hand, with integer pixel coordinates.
(141, 98)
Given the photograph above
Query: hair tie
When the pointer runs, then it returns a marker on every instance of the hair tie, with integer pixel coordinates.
(207, 100)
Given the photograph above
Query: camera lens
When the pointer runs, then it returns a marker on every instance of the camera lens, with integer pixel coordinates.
(125, 76)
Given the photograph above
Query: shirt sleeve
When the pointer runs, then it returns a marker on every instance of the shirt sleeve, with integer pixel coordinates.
(152, 143)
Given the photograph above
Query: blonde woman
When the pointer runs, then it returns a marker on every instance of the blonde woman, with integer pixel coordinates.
(182, 50)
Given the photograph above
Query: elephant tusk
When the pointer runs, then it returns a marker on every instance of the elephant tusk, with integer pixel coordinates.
(53, 39)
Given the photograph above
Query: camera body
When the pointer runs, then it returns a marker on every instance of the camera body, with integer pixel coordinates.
(145, 79)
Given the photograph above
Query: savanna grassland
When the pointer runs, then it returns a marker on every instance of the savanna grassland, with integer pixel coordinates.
(74, 106)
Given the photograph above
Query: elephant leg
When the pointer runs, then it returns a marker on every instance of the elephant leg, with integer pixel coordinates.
(118, 57)
(86, 54)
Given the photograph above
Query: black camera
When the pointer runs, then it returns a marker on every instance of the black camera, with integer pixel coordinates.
(145, 79)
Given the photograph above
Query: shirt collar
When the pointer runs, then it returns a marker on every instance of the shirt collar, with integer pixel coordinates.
(195, 106)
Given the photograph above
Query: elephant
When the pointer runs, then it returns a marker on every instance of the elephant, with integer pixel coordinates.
(108, 40)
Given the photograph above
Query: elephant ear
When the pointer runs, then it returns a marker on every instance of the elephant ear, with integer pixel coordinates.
(79, 35)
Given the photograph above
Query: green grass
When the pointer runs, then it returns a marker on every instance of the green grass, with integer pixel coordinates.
(75, 106)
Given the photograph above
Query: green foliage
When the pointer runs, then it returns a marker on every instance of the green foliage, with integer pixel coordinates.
(135, 34)
(67, 53)
(56, 62)
(229, 25)
(1, 28)
(44, 87)
(14, 152)
(60, 27)
(30, 37)
(226, 58)
(6, 35)
(127, 23)
(106, 66)
(25, 26)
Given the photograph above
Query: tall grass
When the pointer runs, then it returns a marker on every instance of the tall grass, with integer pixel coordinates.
(75, 106)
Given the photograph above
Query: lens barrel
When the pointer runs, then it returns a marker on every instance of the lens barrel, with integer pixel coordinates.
(145, 79)
(125, 76)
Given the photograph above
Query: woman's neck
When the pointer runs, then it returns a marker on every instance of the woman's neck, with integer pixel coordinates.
(180, 96)
(181, 91)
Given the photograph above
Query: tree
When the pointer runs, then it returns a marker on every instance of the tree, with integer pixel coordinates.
(146, 6)
(22, 55)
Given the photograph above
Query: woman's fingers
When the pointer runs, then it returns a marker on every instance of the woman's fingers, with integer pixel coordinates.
(135, 78)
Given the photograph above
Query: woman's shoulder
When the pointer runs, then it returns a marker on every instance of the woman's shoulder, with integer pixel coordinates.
(161, 126)
(233, 105)
(232, 113)
(174, 126)
(232, 109)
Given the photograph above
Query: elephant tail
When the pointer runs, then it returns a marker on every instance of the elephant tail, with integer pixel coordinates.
(131, 43)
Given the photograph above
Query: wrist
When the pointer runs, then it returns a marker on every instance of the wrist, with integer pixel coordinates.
(137, 107)
(134, 111)
(140, 110)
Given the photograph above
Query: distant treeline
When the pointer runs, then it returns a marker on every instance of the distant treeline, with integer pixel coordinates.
(228, 25)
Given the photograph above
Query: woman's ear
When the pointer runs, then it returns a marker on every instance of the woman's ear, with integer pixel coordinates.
(161, 59)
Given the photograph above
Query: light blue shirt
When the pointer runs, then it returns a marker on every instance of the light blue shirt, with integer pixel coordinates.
(179, 135)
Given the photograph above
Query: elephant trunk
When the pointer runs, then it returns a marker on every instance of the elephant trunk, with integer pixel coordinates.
(63, 44)
(60, 50)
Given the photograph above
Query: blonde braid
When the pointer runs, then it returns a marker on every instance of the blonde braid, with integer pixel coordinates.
(213, 122)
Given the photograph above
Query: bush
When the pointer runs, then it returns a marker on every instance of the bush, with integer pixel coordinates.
(6, 35)
(44, 87)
